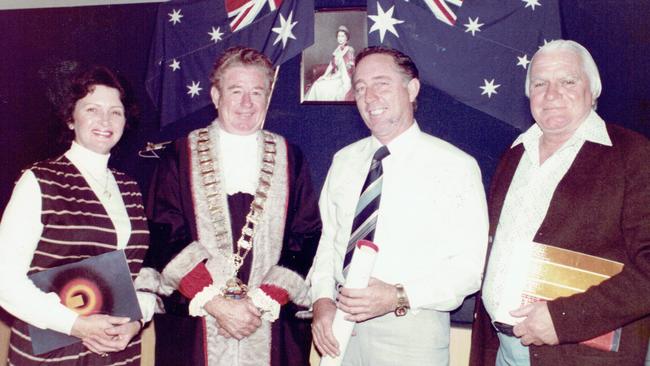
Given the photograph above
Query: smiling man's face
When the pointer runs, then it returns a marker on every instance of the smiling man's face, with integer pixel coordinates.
(384, 96)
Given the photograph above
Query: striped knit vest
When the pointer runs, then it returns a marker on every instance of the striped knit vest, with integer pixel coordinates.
(76, 226)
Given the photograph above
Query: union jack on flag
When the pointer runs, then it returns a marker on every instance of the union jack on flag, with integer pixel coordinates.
(244, 12)
(442, 11)
(477, 51)
(191, 35)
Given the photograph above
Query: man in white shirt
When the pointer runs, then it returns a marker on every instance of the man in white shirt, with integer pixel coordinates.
(570, 181)
(431, 229)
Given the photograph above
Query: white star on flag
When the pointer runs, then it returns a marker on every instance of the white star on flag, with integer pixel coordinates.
(523, 61)
(284, 31)
(545, 42)
(532, 4)
(175, 65)
(175, 16)
(194, 89)
(384, 21)
(489, 88)
(216, 34)
(473, 26)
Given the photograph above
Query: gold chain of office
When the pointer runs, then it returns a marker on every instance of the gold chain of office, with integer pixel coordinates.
(214, 196)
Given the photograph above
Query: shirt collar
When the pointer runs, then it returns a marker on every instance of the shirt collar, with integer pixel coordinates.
(593, 129)
(400, 143)
(89, 160)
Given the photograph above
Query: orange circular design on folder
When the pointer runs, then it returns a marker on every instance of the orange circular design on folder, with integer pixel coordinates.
(83, 296)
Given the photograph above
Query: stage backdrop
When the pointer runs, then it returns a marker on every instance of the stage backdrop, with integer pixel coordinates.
(616, 32)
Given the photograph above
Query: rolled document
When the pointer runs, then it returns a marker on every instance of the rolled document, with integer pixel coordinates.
(363, 261)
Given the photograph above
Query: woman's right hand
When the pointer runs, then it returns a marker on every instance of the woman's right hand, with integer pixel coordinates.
(92, 331)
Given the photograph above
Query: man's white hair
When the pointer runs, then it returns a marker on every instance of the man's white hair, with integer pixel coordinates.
(588, 64)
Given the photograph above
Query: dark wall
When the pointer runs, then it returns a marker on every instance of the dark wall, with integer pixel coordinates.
(116, 36)
(119, 36)
(616, 32)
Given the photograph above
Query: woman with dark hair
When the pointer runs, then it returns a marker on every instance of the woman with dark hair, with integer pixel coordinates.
(335, 83)
(69, 208)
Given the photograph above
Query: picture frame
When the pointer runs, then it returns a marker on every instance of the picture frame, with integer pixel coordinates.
(326, 67)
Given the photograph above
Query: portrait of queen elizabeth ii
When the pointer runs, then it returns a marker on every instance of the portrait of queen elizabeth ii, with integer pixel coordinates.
(327, 73)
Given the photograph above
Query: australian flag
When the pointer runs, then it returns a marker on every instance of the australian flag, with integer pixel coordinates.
(477, 51)
(190, 36)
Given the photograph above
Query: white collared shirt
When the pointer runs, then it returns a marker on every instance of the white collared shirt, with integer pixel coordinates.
(526, 205)
(432, 225)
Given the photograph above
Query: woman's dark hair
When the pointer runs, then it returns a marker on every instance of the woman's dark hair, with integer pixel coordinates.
(83, 81)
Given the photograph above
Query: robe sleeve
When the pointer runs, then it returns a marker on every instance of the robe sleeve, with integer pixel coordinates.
(166, 211)
(171, 225)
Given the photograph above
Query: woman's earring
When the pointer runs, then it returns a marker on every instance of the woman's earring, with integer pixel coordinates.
(71, 126)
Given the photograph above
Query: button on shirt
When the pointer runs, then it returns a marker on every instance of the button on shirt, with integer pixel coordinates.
(524, 210)
(432, 224)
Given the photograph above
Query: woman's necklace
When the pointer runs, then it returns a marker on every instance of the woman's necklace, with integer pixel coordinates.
(99, 182)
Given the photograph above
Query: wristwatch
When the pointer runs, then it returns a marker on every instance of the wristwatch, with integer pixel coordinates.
(402, 301)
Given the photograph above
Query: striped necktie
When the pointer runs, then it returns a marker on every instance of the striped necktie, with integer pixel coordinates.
(365, 217)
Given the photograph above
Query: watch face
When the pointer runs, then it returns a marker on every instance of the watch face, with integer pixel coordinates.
(400, 311)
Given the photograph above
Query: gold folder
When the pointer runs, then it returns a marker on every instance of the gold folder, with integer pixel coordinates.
(557, 272)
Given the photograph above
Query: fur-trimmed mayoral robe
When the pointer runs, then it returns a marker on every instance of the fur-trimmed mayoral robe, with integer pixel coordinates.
(184, 249)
